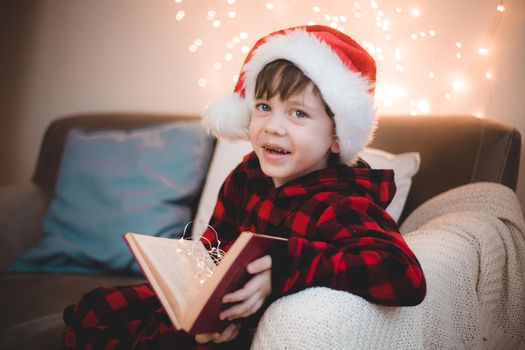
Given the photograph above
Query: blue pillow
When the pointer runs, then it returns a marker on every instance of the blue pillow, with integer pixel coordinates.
(113, 182)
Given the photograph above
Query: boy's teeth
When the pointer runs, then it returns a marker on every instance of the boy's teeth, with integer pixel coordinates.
(278, 151)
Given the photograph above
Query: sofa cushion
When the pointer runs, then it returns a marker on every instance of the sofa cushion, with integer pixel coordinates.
(116, 181)
(405, 166)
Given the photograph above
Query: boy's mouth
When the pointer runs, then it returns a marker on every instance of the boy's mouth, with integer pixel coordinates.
(275, 150)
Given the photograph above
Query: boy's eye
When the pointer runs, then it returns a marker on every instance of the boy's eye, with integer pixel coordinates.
(300, 114)
(263, 107)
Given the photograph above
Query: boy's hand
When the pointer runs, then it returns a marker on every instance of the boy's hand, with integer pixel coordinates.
(251, 297)
(231, 332)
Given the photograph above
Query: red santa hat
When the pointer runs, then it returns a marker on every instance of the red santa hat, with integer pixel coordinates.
(342, 70)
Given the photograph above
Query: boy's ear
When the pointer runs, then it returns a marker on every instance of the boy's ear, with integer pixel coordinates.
(335, 147)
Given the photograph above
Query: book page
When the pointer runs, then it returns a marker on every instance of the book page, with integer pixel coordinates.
(173, 260)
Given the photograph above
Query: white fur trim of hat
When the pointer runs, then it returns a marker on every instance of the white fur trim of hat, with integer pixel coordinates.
(342, 70)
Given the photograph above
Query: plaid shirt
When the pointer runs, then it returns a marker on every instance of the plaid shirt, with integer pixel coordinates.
(339, 234)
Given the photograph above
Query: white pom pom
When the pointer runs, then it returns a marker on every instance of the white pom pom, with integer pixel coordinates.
(228, 118)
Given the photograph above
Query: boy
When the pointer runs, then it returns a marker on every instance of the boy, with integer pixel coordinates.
(304, 99)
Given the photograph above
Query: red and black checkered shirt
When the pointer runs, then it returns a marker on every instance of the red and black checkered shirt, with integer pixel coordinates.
(339, 234)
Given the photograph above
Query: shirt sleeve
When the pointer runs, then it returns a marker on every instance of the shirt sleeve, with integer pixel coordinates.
(357, 249)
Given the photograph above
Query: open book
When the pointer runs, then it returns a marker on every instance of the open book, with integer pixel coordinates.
(193, 301)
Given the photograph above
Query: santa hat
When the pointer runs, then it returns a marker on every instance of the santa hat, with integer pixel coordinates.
(342, 70)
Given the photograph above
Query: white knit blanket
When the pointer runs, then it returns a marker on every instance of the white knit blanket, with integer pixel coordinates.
(470, 243)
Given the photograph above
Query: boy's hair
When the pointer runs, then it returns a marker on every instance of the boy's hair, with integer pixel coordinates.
(282, 78)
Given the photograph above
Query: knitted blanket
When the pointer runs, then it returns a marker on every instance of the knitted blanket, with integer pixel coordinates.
(470, 243)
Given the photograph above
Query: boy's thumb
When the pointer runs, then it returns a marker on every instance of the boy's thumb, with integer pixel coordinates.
(260, 264)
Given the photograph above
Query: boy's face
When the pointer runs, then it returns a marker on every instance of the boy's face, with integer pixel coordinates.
(293, 137)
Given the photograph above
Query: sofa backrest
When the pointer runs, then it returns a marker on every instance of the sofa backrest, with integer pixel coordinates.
(455, 150)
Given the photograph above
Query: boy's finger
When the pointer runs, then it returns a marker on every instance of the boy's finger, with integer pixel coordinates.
(240, 310)
(236, 296)
(249, 309)
(226, 335)
(244, 293)
(203, 338)
(260, 264)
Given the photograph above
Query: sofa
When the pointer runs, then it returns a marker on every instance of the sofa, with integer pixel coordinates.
(454, 150)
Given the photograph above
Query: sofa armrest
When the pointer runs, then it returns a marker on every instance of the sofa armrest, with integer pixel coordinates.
(22, 209)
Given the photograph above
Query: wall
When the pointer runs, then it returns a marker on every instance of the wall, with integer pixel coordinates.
(62, 57)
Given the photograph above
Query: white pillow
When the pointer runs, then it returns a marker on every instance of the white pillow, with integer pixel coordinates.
(229, 154)
(405, 166)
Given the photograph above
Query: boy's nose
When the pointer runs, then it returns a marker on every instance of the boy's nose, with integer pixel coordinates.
(275, 124)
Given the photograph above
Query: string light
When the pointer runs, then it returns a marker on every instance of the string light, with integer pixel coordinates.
(412, 34)
(397, 53)
(180, 15)
(423, 106)
(459, 85)
(202, 82)
(400, 67)
(483, 51)
(415, 12)
(211, 15)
